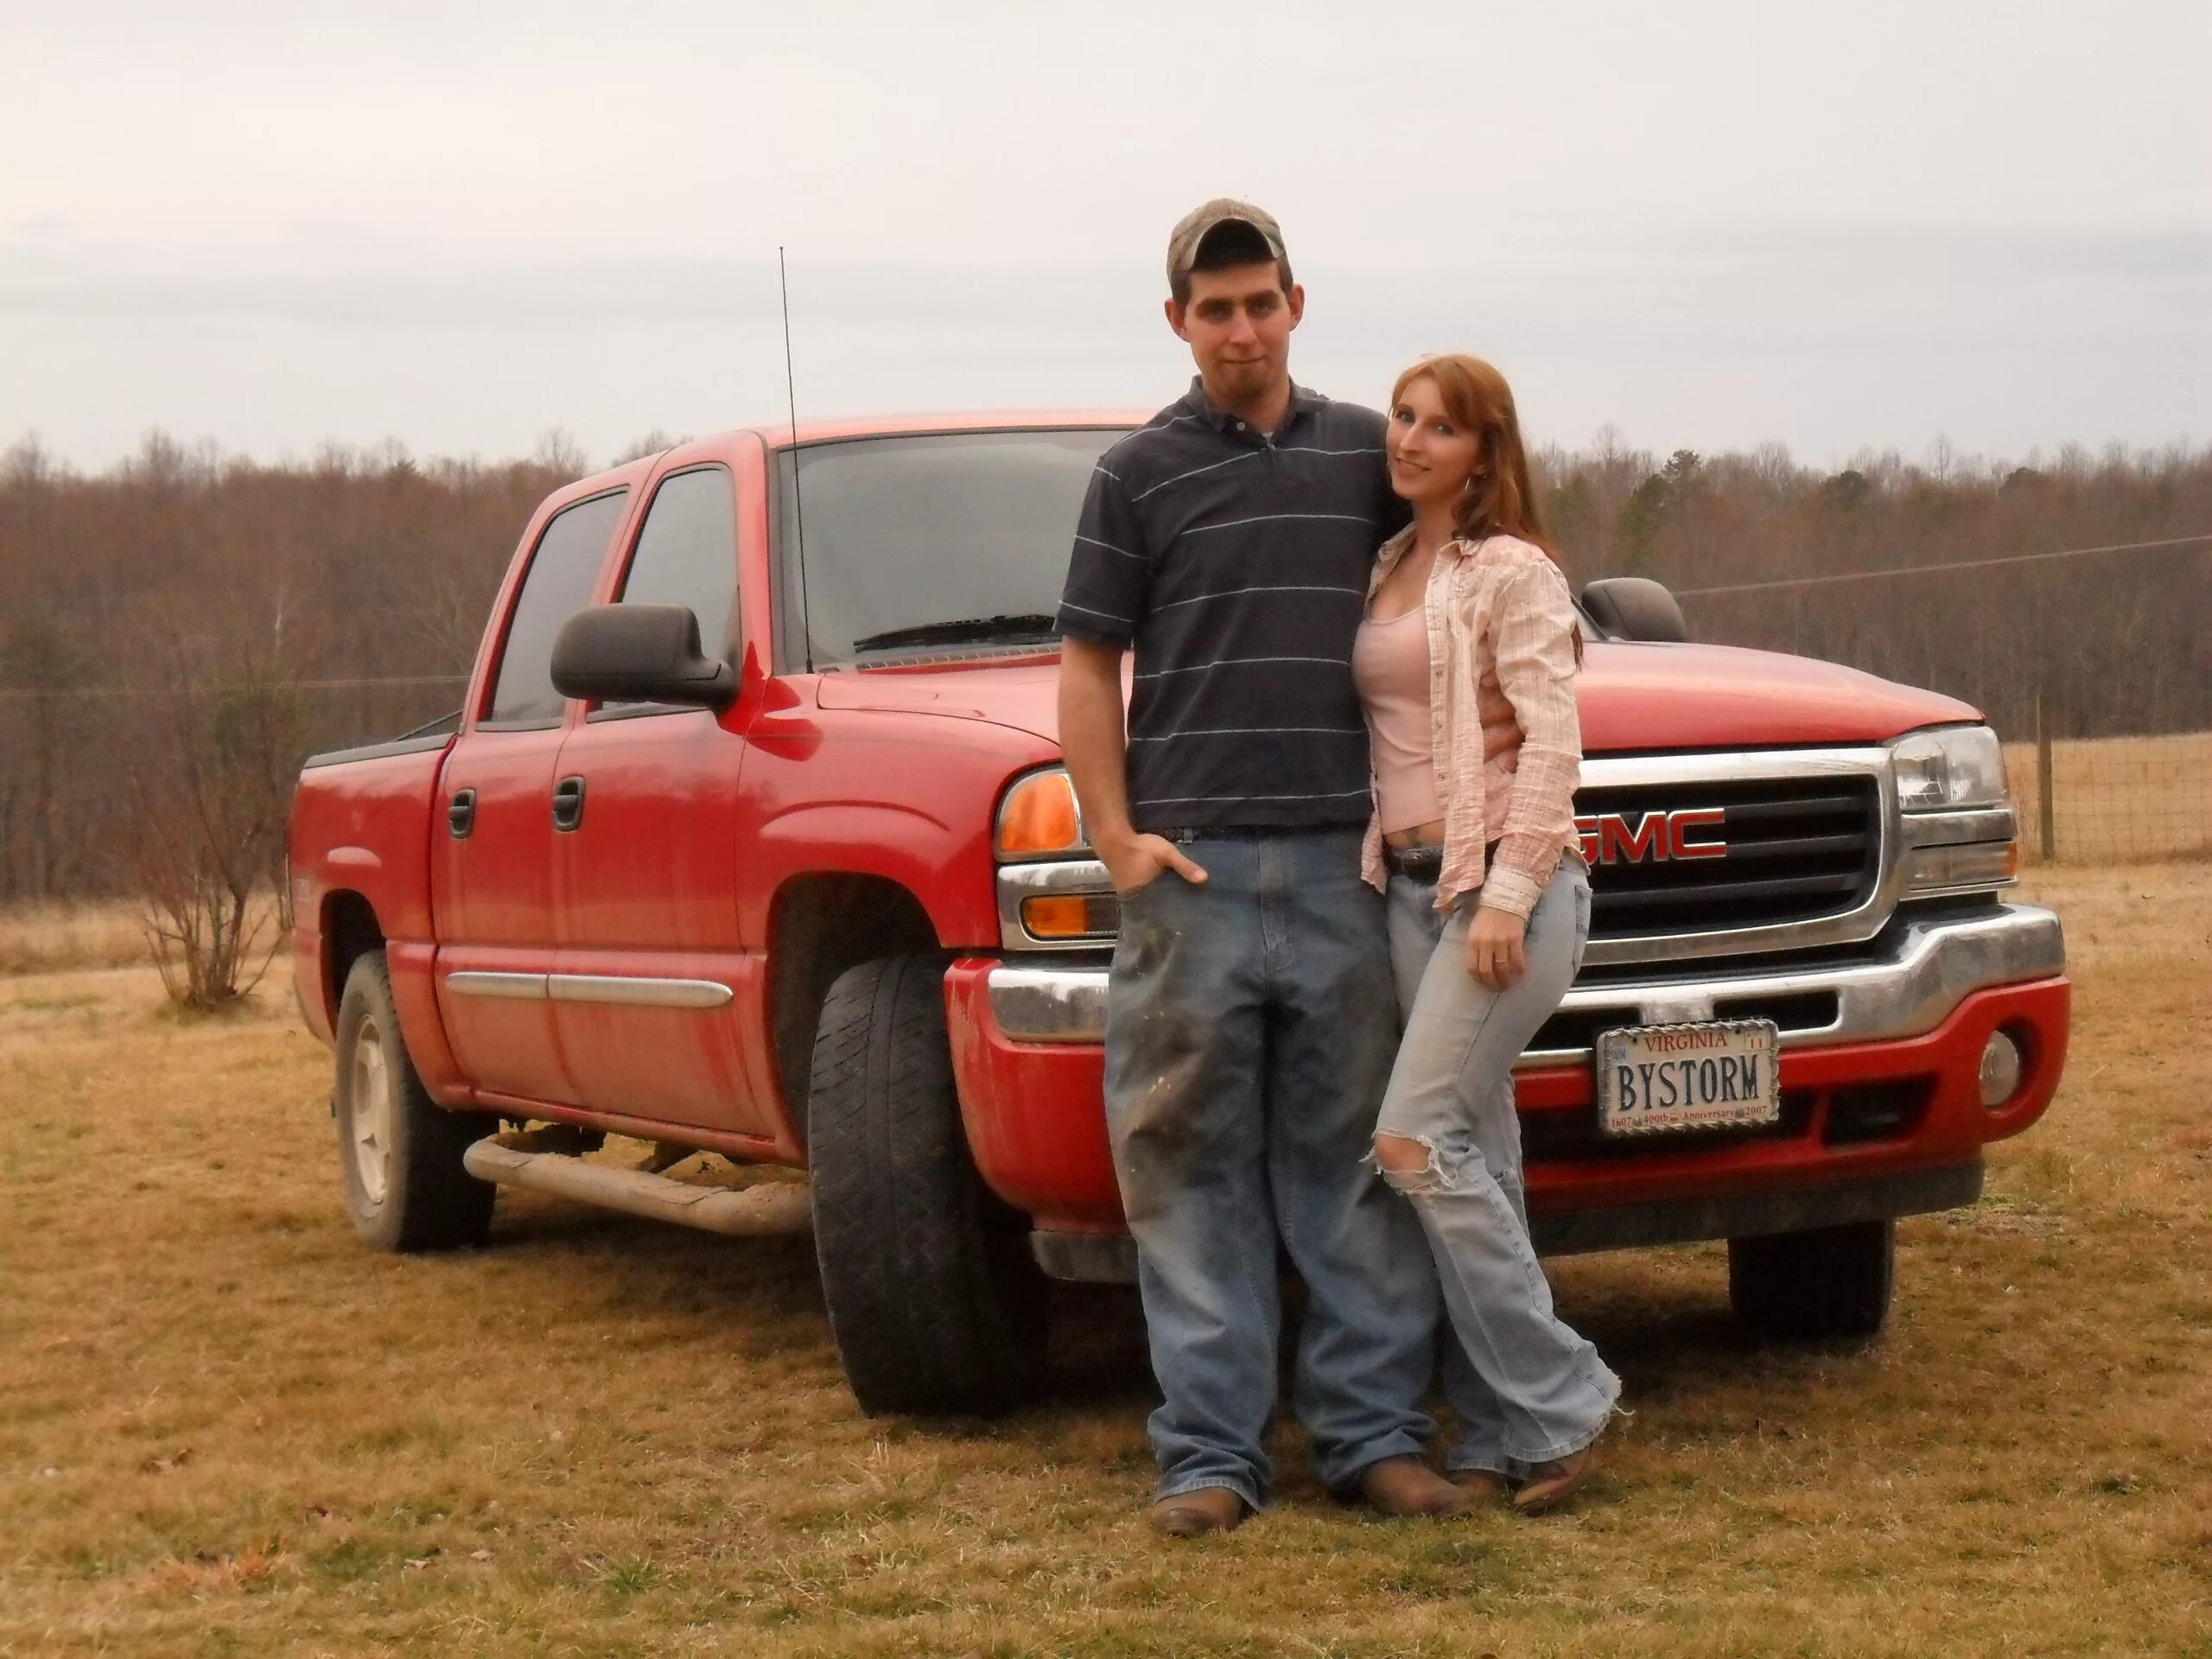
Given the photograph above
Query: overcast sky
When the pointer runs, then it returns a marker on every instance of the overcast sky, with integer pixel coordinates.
(1709, 223)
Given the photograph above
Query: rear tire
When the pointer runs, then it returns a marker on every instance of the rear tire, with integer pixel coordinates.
(399, 1152)
(934, 1299)
(1831, 1282)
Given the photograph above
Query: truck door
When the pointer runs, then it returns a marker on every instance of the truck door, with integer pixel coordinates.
(493, 828)
(650, 973)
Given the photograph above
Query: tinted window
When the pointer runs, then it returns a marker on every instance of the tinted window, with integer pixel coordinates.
(687, 553)
(557, 585)
(905, 533)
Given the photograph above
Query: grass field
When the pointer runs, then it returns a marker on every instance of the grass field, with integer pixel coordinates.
(225, 1428)
(47, 938)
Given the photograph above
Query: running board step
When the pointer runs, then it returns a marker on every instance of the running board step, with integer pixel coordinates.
(767, 1209)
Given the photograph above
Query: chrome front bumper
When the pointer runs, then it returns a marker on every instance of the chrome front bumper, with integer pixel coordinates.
(1934, 964)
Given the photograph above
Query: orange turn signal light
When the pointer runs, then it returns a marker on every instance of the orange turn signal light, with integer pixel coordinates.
(1039, 817)
(1071, 916)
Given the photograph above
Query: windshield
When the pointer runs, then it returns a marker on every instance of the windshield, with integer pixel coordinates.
(924, 543)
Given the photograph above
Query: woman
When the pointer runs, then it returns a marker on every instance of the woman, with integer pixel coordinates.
(1465, 663)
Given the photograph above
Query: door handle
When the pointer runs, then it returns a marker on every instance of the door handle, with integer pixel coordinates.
(460, 813)
(567, 804)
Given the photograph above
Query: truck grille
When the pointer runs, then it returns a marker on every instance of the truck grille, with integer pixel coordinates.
(1795, 849)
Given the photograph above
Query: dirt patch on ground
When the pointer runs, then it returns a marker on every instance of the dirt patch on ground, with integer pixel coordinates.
(227, 1428)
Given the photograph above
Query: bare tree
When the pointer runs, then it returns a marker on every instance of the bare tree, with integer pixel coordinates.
(209, 774)
(649, 443)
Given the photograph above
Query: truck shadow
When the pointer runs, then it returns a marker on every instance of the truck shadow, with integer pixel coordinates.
(1678, 1344)
(1670, 1342)
(766, 1290)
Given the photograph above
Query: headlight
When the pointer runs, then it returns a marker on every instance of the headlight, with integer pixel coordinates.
(1945, 770)
(1959, 827)
(1053, 892)
(1039, 818)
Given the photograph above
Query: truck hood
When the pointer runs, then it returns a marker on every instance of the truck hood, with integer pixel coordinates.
(1634, 698)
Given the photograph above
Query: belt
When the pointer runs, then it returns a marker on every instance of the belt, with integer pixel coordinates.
(1422, 863)
(1254, 831)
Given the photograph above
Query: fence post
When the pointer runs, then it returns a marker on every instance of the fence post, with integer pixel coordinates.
(2046, 809)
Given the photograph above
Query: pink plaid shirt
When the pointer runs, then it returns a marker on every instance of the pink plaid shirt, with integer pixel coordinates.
(1507, 740)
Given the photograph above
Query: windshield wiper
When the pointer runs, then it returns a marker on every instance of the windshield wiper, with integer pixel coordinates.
(974, 630)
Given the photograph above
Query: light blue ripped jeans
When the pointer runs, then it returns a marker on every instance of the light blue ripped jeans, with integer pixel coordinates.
(1526, 1389)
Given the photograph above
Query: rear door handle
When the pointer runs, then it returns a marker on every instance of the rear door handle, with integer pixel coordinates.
(567, 804)
(460, 813)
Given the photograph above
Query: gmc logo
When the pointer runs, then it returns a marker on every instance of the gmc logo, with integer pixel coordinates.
(1611, 838)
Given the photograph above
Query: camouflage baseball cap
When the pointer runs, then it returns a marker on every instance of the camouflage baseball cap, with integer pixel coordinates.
(1196, 225)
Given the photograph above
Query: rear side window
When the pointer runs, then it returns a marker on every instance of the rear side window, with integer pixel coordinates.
(687, 553)
(557, 585)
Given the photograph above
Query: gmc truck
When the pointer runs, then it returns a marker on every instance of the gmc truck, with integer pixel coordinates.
(751, 840)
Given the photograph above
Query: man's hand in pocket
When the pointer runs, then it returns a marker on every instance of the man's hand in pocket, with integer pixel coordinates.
(1139, 861)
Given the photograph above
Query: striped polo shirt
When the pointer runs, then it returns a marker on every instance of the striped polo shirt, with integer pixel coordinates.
(1235, 562)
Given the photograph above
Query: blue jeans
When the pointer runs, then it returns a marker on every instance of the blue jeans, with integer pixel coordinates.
(1525, 1388)
(1250, 1027)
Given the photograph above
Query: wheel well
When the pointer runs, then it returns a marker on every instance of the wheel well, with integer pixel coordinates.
(349, 933)
(821, 926)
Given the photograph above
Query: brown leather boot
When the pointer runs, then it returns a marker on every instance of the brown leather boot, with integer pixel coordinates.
(1408, 1486)
(1482, 1486)
(1553, 1483)
(1189, 1514)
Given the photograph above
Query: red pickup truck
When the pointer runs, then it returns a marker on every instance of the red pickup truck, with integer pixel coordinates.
(751, 840)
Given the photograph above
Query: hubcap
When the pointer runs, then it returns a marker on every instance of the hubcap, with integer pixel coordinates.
(369, 1108)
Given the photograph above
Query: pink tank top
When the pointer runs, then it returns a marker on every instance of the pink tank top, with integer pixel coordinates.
(1389, 665)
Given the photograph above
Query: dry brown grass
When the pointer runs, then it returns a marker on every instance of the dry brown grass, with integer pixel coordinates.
(48, 939)
(227, 1428)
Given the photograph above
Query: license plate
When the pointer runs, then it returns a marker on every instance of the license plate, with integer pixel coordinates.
(1719, 1075)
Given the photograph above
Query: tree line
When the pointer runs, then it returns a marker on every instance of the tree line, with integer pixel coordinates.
(1849, 566)
(178, 631)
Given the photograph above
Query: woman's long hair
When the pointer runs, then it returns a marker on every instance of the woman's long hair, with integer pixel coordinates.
(1502, 501)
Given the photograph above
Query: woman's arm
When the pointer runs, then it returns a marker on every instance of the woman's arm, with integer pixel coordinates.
(1533, 626)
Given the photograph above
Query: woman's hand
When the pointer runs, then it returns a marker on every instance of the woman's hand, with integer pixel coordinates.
(1494, 954)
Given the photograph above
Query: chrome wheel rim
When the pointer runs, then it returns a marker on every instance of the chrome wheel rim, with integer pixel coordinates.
(370, 1114)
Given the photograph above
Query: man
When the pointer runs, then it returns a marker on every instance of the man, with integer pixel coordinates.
(1251, 1021)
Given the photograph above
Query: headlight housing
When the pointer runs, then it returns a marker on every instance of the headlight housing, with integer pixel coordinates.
(1951, 767)
(1039, 818)
(1960, 833)
(1053, 892)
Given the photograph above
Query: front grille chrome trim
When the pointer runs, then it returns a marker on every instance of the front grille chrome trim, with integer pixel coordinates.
(1856, 765)
(1935, 963)
(1066, 877)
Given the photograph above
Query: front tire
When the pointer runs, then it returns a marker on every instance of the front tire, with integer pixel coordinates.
(399, 1152)
(1831, 1282)
(934, 1301)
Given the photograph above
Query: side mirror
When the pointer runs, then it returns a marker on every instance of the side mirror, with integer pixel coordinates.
(638, 653)
(1635, 607)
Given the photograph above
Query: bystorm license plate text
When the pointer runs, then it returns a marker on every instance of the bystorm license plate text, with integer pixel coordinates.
(1654, 1077)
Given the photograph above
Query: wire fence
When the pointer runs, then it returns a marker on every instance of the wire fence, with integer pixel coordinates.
(2113, 800)
(69, 759)
(2094, 664)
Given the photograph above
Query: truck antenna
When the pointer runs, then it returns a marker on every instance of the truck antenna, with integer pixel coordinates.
(798, 507)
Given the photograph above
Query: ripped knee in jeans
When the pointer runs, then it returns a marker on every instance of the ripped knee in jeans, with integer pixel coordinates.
(1411, 1163)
